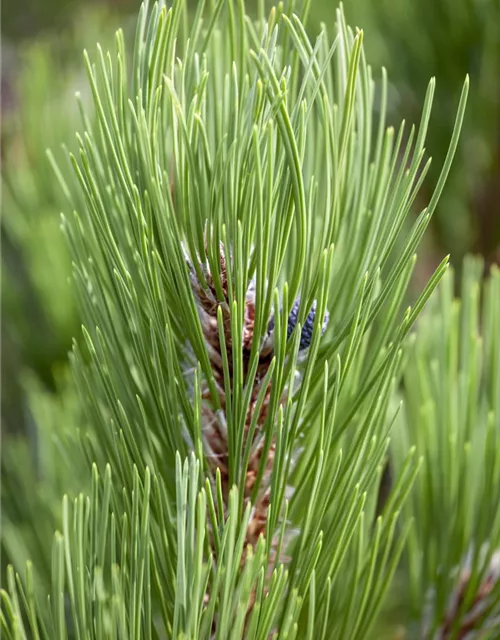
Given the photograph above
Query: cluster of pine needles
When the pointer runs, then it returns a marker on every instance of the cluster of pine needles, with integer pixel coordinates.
(253, 360)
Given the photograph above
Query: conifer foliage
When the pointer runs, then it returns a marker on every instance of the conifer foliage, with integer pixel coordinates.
(451, 414)
(241, 247)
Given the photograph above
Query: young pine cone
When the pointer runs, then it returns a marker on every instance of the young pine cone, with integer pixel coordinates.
(214, 423)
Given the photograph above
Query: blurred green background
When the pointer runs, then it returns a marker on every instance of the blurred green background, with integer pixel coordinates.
(42, 69)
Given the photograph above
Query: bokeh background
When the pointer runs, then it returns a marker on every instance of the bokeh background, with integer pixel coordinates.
(42, 69)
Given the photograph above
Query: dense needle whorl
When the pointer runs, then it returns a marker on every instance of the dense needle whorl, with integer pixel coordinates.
(214, 427)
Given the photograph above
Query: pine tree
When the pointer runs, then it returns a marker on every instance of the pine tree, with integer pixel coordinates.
(241, 254)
